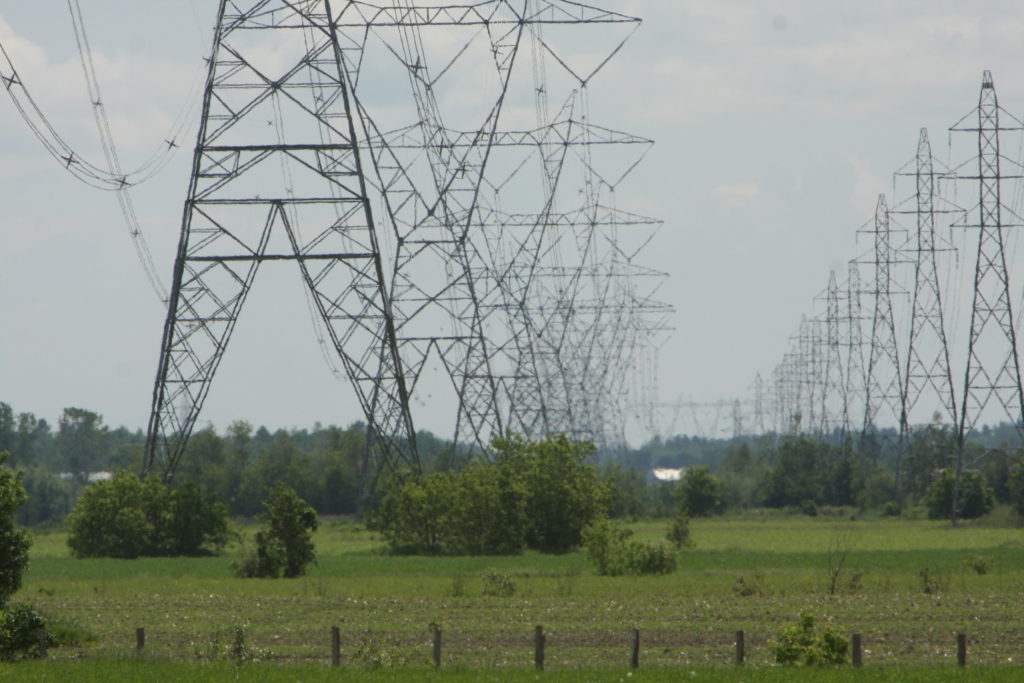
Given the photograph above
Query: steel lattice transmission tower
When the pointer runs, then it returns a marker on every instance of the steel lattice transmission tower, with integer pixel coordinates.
(854, 377)
(928, 373)
(239, 214)
(993, 365)
(884, 385)
(928, 380)
(833, 397)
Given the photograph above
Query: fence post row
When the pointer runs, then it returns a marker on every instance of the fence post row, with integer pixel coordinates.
(539, 642)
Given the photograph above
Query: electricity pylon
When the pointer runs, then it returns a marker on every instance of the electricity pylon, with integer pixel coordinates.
(239, 213)
(884, 385)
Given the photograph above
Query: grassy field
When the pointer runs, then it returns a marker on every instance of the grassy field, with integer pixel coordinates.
(907, 586)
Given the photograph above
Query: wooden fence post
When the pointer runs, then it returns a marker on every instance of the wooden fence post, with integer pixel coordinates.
(140, 638)
(42, 643)
(961, 649)
(634, 658)
(437, 646)
(335, 646)
(857, 661)
(538, 648)
(739, 648)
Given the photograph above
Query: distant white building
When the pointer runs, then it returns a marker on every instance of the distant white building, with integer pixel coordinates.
(90, 477)
(668, 473)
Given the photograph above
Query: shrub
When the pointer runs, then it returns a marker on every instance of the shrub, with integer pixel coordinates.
(610, 548)
(746, 587)
(980, 564)
(284, 545)
(701, 493)
(649, 558)
(264, 558)
(802, 645)
(19, 633)
(126, 517)
(976, 498)
(604, 543)
(679, 532)
(479, 511)
(563, 493)
(498, 583)
(536, 494)
(14, 542)
(931, 581)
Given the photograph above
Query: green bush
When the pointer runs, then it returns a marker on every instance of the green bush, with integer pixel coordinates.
(802, 645)
(679, 531)
(535, 494)
(498, 583)
(20, 631)
(976, 498)
(649, 558)
(284, 544)
(563, 493)
(14, 542)
(479, 511)
(126, 517)
(613, 553)
(700, 493)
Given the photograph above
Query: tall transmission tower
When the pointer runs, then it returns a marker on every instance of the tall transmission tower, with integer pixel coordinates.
(884, 386)
(854, 377)
(760, 406)
(929, 379)
(993, 366)
(833, 398)
(239, 214)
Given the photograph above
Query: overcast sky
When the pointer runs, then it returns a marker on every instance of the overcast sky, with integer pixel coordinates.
(777, 124)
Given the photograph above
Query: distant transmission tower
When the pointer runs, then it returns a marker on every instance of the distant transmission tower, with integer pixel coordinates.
(928, 381)
(854, 377)
(928, 368)
(884, 383)
(833, 398)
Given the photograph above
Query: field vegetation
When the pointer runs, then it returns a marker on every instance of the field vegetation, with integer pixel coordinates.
(907, 586)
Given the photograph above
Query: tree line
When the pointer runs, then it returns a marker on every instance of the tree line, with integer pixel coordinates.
(324, 466)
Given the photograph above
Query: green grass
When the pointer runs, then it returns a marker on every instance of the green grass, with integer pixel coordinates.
(104, 671)
(754, 573)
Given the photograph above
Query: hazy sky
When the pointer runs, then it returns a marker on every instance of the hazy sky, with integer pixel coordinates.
(777, 124)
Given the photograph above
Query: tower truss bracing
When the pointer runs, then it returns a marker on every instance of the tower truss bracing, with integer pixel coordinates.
(437, 229)
(992, 377)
